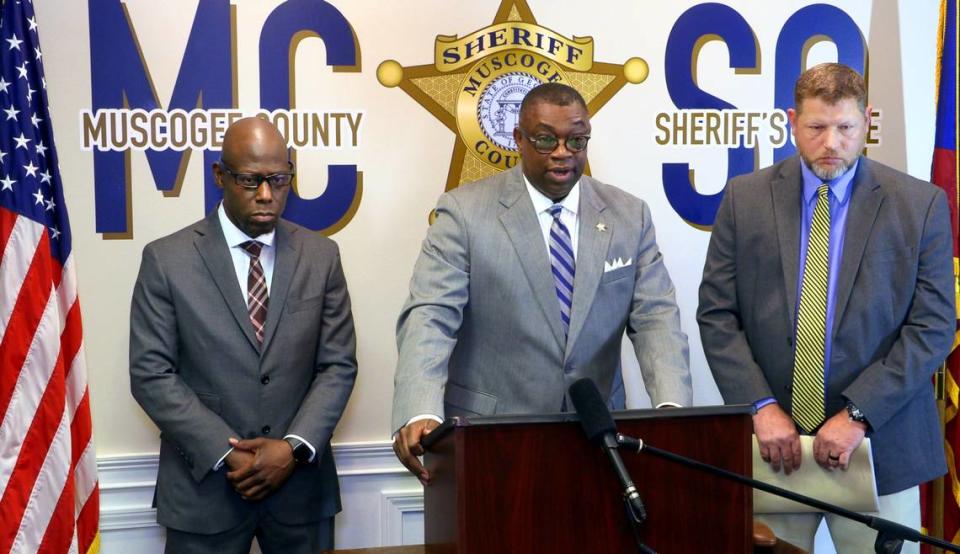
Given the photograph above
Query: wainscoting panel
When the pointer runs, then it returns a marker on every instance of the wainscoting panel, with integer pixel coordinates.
(382, 503)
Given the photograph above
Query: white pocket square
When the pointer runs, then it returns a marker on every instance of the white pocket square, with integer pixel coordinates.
(616, 263)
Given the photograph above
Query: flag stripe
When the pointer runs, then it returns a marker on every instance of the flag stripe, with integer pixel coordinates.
(48, 485)
(85, 478)
(80, 426)
(24, 238)
(7, 220)
(57, 539)
(31, 305)
(33, 453)
(87, 519)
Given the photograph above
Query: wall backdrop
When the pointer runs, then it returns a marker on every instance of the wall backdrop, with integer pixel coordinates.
(390, 103)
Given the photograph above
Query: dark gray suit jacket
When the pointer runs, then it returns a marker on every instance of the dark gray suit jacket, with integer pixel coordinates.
(197, 371)
(481, 331)
(894, 320)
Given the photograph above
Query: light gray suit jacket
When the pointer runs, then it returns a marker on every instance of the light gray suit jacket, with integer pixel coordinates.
(480, 332)
(894, 316)
(197, 371)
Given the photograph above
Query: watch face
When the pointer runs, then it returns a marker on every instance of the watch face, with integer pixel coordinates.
(301, 453)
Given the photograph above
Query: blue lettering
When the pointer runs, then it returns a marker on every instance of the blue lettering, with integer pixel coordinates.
(120, 78)
(818, 19)
(336, 206)
(694, 24)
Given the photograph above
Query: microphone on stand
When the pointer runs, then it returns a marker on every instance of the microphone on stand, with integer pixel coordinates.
(600, 429)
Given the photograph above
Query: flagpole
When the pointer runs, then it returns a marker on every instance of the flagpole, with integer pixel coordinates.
(936, 529)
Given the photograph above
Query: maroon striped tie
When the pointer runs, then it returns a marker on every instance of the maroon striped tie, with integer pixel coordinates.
(257, 298)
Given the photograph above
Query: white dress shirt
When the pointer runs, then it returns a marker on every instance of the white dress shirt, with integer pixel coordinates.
(241, 260)
(569, 215)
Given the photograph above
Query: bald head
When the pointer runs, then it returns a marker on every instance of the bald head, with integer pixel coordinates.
(252, 137)
(252, 146)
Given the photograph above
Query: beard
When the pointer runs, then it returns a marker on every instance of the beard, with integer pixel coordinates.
(827, 173)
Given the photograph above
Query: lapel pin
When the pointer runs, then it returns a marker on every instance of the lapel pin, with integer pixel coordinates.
(602, 227)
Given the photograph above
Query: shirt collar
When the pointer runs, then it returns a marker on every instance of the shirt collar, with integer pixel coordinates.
(541, 203)
(840, 187)
(235, 236)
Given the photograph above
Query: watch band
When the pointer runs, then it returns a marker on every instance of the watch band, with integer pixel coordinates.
(855, 413)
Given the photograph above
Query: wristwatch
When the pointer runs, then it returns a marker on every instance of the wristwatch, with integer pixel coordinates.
(301, 452)
(855, 414)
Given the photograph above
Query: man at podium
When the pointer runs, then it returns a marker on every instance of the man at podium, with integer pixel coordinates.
(526, 282)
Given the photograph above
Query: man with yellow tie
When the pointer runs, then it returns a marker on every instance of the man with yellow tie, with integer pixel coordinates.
(827, 301)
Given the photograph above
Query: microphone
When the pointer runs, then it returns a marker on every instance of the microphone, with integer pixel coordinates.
(599, 427)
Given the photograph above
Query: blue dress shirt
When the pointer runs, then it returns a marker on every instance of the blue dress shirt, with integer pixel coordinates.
(840, 190)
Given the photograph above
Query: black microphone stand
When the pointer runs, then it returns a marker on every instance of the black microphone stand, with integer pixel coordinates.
(635, 520)
(890, 535)
(636, 513)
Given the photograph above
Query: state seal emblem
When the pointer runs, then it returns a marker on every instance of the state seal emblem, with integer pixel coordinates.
(498, 109)
(476, 83)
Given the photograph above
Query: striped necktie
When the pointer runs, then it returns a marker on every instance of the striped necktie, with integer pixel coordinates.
(809, 358)
(562, 264)
(257, 298)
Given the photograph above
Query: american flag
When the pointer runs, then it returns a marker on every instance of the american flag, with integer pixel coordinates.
(49, 497)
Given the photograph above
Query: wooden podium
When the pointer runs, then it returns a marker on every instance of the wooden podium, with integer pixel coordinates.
(535, 484)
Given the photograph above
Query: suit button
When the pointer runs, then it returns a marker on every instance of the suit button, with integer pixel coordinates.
(788, 388)
(265, 379)
(266, 429)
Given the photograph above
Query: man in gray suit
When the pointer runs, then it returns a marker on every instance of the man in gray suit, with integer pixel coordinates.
(871, 320)
(242, 351)
(526, 282)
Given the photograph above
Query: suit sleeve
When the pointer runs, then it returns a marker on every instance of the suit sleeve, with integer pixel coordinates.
(654, 324)
(336, 365)
(431, 317)
(199, 435)
(926, 336)
(738, 376)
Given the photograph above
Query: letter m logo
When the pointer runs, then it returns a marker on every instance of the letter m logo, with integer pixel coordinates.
(120, 79)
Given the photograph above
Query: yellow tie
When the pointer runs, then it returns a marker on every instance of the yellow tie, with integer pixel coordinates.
(808, 360)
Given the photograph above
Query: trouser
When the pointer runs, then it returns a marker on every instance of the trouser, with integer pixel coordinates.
(849, 536)
(272, 536)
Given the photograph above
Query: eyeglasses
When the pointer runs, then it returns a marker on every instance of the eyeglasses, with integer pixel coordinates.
(546, 144)
(251, 181)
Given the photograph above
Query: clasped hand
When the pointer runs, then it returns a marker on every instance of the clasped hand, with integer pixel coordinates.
(779, 441)
(259, 466)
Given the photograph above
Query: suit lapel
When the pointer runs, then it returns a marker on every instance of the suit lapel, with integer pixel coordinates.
(865, 201)
(283, 269)
(215, 254)
(520, 221)
(591, 252)
(785, 191)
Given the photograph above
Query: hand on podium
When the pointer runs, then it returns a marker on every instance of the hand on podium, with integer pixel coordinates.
(406, 445)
